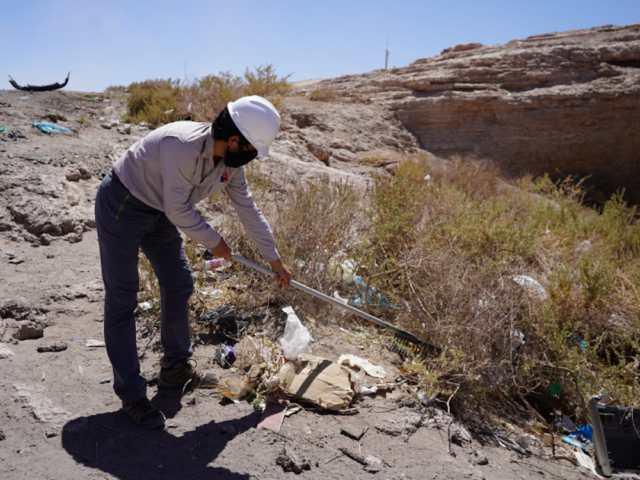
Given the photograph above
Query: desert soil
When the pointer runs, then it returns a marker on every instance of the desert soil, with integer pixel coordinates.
(60, 418)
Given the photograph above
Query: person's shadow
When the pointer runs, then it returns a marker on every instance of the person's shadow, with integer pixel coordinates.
(110, 442)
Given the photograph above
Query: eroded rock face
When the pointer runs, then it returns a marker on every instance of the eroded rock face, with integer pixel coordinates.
(567, 102)
(340, 132)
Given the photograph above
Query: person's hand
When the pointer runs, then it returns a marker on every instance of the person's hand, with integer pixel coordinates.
(222, 250)
(284, 275)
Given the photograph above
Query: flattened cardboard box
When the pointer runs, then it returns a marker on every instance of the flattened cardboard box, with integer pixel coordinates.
(318, 381)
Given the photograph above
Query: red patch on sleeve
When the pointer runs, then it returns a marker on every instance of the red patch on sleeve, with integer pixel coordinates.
(224, 177)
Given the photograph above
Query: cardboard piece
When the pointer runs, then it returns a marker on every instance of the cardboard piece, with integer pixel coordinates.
(318, 381)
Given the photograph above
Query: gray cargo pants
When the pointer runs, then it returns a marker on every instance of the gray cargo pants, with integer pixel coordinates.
(125, 225)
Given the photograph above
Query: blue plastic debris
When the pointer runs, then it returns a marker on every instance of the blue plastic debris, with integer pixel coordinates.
(581, 438)
(47, 127)
(372, 297)
(4, 129)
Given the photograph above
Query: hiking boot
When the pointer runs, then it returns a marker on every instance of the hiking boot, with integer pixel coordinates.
(143, 413)
(183, 374)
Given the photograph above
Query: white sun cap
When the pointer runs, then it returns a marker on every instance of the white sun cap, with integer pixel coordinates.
(257, 119)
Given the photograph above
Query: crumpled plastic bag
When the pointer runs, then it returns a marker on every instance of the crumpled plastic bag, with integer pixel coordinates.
(296, 336)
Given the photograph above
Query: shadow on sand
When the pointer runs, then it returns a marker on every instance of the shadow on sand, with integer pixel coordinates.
(111, 443)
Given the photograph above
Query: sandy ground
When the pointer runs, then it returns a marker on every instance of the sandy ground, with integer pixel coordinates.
(59, 415)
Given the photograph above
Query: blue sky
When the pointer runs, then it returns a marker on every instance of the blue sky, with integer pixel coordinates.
(117, 42)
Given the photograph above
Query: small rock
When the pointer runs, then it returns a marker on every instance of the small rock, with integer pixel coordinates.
(81, 174)
(105, 380)
(16, 261)
(29, 331)
(191, 400)
(2, 435)
(106, 125)
(11, 253)
(54, 347)
(290, 462)
(50, 433)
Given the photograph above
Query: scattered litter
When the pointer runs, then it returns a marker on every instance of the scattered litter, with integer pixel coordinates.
(225, 355)
(318, 381)
(47, 127)
(4, 129)
(531, 286)
(360, 347)
(616, 437)
(210, 294)
(345, 331)
(506, 442)
(370, 296)
(370, 369)
(273, 416)
(95, 343)
(354, 456)
(355, 433)
(371, 460)
(80, 369)
(425, 399)
(567, 424)
(292, 411)
(144, 306)
(292, 462)
(230, 325)
(216, 263)
(587, 462)
(367, 390)
(296, 336)
(340, 311)
(54, 347)
(523, 441)
(236, 390)
(554, 389)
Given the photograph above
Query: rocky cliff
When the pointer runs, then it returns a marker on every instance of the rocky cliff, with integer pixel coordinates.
(563, 102)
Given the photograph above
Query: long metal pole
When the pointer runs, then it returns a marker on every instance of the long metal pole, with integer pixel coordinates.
(324, 297)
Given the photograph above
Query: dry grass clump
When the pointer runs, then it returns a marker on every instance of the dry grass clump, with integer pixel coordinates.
(200, 99)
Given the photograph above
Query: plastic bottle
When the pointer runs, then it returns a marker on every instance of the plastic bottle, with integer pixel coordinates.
(215, 263)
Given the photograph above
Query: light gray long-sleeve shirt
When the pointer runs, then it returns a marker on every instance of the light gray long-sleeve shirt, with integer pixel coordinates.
(172, 169)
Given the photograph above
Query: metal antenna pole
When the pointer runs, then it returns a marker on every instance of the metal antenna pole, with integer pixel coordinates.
(386, 56)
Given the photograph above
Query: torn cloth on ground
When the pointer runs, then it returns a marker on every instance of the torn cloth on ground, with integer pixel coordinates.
(47, 127)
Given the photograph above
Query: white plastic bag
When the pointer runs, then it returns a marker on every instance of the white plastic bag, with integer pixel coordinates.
(296, 336)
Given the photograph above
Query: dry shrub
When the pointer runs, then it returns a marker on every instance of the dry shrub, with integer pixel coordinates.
(201, 99)
(324, 95)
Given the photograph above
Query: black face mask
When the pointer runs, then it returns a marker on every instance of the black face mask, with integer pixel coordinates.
(240, 158)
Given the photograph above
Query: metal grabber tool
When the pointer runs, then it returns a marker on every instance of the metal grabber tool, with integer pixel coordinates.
(417, 347)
